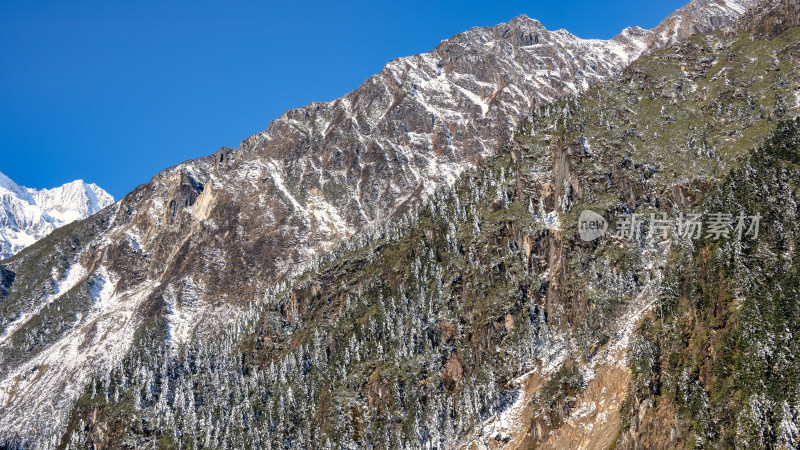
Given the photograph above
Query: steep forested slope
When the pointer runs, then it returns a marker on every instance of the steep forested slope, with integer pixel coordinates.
(209, 235)
(483, 317)
(718, 363)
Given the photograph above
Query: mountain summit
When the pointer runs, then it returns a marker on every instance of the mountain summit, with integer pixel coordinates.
(28, 215)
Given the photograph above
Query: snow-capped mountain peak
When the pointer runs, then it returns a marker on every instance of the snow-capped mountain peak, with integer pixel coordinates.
(27, 215)
(72, 201)
(7, 186)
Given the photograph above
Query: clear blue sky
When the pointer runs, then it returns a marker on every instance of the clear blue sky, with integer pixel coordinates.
(114, 92)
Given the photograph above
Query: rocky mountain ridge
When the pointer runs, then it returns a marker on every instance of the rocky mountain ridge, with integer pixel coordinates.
(483, 319)
(203, 239)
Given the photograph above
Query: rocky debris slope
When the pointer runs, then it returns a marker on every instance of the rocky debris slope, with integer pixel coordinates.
(203, 239)
(28, 215)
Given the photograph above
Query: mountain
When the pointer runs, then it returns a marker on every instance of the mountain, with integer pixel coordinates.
(770, 19)
(485, 319)
(183, 256)
(28, 215)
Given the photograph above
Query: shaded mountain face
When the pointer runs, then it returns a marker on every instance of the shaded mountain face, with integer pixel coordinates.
(201, 240)
(28, 215)
(484, 319)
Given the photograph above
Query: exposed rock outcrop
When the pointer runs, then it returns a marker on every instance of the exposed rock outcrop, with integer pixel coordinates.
(770, 18)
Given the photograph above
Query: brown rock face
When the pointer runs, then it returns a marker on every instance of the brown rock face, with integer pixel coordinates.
(202, 239)
(770, 18)
(453, 368)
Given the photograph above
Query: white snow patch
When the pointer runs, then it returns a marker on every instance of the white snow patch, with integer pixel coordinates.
(61, 371)
(134, 239)
(73, 275)
(327, 219)
(101, 288)
(505, 424)
(585, 409)
(475, 99)
(618, 350)
(185, 317)
(737, 6)
(277, 177)
(551, 221)
(788, 429)
(180, 319)
(508, 421)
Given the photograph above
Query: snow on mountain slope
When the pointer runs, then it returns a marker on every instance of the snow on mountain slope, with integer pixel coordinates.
(72, 201)
(203, 238)
(697, 17)
(28, 215)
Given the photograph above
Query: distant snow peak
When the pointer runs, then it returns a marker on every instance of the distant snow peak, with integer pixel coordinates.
(73, 201)
(27, 215)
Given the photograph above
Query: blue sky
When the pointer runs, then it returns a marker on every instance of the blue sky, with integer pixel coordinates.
(114, 92)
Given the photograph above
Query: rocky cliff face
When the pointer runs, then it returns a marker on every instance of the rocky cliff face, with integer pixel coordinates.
(770, 18)
(28, 215)
(203, 239)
